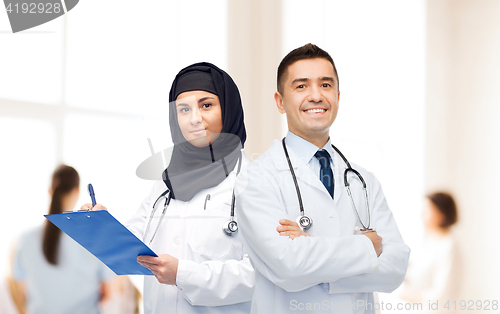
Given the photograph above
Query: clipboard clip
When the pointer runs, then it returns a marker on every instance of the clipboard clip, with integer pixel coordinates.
(76, 211)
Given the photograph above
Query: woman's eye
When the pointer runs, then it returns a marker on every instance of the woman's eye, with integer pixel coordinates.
(184, 110)
(206, 105)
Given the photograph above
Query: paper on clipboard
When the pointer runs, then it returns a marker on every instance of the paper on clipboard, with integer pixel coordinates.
(106, 238)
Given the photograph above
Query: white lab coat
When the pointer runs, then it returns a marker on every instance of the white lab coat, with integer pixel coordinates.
(336, 270)
(214, 273)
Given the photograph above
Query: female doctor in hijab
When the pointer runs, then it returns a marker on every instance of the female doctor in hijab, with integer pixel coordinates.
(200, 268)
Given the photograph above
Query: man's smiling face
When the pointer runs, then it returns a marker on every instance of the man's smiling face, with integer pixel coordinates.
(310, 98)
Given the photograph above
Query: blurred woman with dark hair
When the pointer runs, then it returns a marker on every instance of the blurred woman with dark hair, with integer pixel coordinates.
(440, 213)
(54, 273)
(433, 274)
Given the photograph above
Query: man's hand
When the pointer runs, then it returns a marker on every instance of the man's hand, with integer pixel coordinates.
(164, 267)
(290, 229)
(88, 206)
(376, 240)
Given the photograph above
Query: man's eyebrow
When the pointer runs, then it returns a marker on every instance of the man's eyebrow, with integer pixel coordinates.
(327, 78)
(305, 79)
(300, 79)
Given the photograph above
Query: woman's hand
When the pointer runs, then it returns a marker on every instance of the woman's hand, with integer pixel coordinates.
(290, 229)
(88, 206)
(164, 267)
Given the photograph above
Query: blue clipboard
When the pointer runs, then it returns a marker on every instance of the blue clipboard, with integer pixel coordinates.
(106, 238)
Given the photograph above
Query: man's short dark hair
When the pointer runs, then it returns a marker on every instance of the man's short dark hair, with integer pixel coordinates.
(308, 51)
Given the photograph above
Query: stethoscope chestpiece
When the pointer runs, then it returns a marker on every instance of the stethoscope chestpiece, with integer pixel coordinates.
(230, 227)
(304, 222)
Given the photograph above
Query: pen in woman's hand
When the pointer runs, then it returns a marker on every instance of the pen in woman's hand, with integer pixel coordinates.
(94, 205)
(92, 195)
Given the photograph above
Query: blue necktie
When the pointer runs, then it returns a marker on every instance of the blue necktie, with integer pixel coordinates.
(325, 173)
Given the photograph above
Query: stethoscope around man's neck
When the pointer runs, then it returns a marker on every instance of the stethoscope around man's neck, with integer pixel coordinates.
(305, 222)
(229, 227)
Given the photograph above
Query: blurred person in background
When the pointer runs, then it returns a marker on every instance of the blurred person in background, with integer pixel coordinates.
(52, 273)
(433, 275)
(8, 294)
(125, 298)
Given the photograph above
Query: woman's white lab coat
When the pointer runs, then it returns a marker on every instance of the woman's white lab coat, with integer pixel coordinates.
(214, 273)
(336, 270)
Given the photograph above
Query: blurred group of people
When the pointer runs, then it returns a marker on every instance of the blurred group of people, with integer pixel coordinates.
(51, 273)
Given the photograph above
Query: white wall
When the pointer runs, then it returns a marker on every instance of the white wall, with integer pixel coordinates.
(462, 141)
(254, 51)
(88, 89)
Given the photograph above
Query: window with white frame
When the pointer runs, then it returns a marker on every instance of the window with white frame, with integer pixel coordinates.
(88, 89)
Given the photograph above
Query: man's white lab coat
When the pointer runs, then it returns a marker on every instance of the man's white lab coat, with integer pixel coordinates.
(336, 270)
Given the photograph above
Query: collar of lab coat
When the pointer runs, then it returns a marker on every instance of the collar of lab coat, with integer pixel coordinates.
(304, 149)
(304, 173)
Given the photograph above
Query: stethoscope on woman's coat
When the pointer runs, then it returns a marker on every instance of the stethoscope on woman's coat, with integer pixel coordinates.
(229, 227)
(305, 222)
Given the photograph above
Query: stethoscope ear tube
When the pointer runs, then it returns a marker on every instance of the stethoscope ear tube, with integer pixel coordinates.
(346, 182)
(230, 227)
(294, 178)
(167, 202)
(365, 228)
(159, 198)
(347, 185)
(304, 221)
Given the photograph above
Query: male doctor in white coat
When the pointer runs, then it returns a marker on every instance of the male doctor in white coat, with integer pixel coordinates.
(334, 267)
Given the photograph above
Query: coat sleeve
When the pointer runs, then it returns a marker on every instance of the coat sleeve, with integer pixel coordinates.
(293, 265)
(392, 263)
(216, 283)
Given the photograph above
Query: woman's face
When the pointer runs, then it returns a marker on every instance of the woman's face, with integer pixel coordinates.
(200, 117)
(431, 216)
